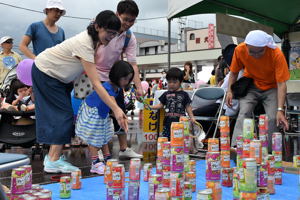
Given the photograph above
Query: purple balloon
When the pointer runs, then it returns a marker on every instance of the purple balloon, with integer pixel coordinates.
(24, 71)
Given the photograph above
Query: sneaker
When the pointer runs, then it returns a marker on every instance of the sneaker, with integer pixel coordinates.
(129, 153)
(59, 166)
(12, 108)
(47, 157)
(23, 107)
(98, 168)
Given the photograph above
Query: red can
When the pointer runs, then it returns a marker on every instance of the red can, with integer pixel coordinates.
(147, 171)
(166, 175)
(118, 176)
(135, 169)
(271, 184)
(263, 123)
(191, 177)
(278, 176)
(76, 179)
(271, 164)
(246, 148)
(176, 184)
(227, 177)
(225, 144)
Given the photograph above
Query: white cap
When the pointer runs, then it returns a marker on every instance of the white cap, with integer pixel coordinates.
(5, 38)
(260, 38)
(55, 4)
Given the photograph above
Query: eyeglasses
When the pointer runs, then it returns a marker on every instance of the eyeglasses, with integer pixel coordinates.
(8, 42)
(129, 21)
(256, 54)
(112, 33)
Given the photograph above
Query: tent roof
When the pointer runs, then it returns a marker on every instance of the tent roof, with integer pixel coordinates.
(282, 15)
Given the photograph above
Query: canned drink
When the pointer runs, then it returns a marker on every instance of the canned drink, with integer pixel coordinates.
(65, 187)
(255, 151)
(166, 153)
(224, 124)
(155, 182)
(192, 166)
(296, 161)
(263, 193)
(109, 190)
(76, 179)
(166, 176)
(186, 158)
(271, 164)
(271, 183)
(239, 145)
(109, 165)
(277, 141)
(119, 193)
(185, 121)
(37, 189)
(135, 169)
(45, 197)
(30, 192)
(28, 177)
(176, 184)
(147, 171)
(134, 190)
(263, 123)
(238, 159)
(187, 190)
(236, 184)
(105, 175)
(204, 195)
(160, 141)
(246, 148)
(191, 177)
(278, 176)
(262, 175)
(264, 152)
(18, 181)
(8, 194)
(263, 136)
(213, 145)
(31, 198)
(248, 195)
(35, 186)
(37, 194)
(119, 176)
(215, 188)
(23, 196)
(247, 175)
(225, 144)
(248, 128)
(47, 191)
(213, 166)
(186, 147)
(278, 158)
(225, 159)
(227, 177)
(159, 165)
(177, 134)
(163, 194)
(177, 159)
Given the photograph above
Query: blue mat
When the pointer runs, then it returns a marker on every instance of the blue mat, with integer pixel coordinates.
(94, 188)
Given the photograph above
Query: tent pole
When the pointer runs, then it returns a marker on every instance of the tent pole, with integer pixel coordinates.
(169, 44)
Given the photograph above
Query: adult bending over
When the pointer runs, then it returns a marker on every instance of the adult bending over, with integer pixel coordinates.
(52, 74)
(265, 63)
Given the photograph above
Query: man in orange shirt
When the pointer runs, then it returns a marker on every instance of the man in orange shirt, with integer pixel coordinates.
(266, 64)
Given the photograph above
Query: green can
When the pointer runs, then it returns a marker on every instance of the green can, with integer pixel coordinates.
(236, 188)
(65, 187)
(248, 128)
(247, 175)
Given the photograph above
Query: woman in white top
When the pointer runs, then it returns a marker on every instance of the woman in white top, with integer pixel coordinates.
(52, 75)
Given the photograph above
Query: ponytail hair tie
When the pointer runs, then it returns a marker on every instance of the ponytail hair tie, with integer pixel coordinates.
(92, 22)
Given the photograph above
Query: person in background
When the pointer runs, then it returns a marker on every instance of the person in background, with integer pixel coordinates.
(44, 34)
(155, 87)
(14, 58)
(212, 80)
(175, 100)
(220, 58)
(188, 73)
(163, 81)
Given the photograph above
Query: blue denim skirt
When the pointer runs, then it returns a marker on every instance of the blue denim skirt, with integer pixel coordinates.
(53, 108)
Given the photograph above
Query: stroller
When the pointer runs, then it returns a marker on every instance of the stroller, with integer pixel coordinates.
(17, 128)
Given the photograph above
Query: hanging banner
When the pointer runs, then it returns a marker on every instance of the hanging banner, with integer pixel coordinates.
(211, 33)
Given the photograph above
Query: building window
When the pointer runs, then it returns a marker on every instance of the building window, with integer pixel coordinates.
(156, 50)
(147, 51)
(162, 48)
(192, 36)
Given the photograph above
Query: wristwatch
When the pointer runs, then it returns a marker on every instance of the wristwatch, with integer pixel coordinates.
(280, 109)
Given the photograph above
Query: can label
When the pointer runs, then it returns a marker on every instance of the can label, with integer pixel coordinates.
(227, 177)
(277, 141)
(118, 176)
(271, 184)
(263, 136)
(134, 190)
(177, 133)
(263, 123)
(65, 187)
(215, 187)
(277, 158)
(213, 166)
(278, 176)
(147, 171)
(262, 175)
(239, 145)
(248, 195)
(186, 162)
(177, 159)
(109, 165)
(185, 121)
(191, 177)
(271, 164)
(246, 148)
(176, 183)
(76, 179)
(256, 151)
(248, 128)
(18, 181)
(109, 190)
(213, 145)
(118, 194)
(155, 182)
(192, 166)
(186, 148)
(159, 165)
(225, 145)
(236, 185)
(247, 175)
(166, 153)
(224, 124)
(296, 161)
(28, 177)
(166, 175)
(160, 142)
(135, 169)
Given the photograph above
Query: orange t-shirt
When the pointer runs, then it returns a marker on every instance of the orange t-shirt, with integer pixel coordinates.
(267, 71)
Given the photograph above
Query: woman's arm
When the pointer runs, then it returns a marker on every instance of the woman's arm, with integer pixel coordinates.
(187, 73)
(92, 73)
